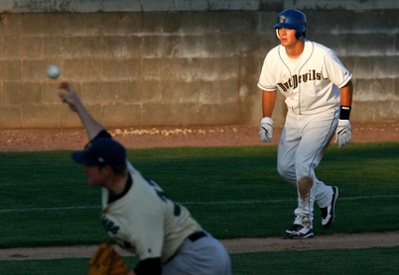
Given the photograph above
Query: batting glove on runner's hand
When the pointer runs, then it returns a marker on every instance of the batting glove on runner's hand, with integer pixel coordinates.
(266, 129)
(343, 134)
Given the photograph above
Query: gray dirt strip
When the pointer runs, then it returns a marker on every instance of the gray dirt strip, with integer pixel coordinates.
(244, 245)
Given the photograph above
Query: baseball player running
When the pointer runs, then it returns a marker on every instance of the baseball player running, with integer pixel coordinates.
(318, 95)
(136, 212)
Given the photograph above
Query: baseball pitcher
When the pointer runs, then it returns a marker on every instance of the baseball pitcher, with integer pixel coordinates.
(138, 214)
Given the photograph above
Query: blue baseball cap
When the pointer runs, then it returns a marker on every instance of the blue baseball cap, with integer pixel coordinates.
(101, 151)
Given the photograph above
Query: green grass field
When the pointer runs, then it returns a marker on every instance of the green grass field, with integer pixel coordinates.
(232, 191)
(339, 261)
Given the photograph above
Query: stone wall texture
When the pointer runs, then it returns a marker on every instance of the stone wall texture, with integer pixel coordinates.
(180, 63)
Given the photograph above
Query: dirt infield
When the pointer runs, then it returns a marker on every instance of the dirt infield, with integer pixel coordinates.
(75, 139)
(388, 239)
(45, 139)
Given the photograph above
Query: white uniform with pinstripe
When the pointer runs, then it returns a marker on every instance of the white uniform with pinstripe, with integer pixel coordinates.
(310, 85)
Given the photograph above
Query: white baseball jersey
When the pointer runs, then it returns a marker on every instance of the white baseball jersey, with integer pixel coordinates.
(310, 83)
(145, 222)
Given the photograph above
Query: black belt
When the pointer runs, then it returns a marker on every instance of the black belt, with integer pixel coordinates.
(197, 235)
(193, 237)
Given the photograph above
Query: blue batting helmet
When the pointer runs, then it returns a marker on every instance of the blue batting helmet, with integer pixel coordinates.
(292, 19)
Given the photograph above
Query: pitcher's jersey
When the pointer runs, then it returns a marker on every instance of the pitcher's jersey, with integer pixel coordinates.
(310, 83)
(145, 222)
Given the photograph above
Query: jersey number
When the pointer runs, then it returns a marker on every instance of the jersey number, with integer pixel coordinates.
(162, 195)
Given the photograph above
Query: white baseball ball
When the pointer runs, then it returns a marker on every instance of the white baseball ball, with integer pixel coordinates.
(53, 71)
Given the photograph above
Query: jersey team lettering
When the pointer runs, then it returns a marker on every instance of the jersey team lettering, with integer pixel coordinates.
(296, 79)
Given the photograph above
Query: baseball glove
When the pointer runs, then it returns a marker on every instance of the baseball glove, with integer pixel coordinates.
(107, 262)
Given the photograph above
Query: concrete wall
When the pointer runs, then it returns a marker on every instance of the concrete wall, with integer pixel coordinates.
(180, 63)
(30, 6)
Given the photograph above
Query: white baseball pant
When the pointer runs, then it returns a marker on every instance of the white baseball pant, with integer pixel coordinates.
(302, 145)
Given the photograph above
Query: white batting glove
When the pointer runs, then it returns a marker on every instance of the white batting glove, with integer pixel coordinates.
(343, 134)
(266, 129)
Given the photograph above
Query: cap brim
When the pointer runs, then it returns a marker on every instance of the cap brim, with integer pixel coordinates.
(82, 157)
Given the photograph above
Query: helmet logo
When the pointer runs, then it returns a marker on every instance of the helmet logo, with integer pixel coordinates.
(282, 19)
